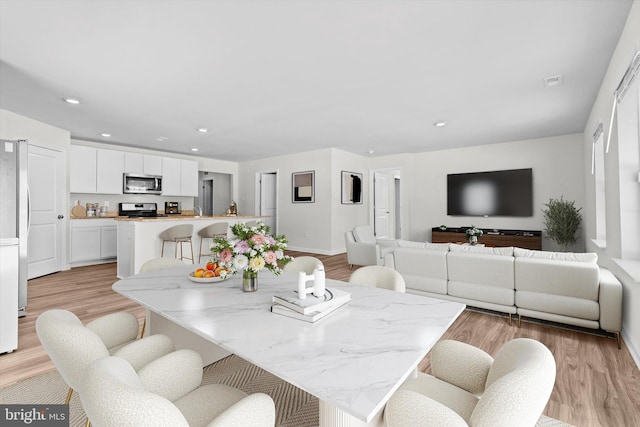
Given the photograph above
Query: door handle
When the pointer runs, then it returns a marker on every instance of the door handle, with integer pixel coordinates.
(60, 216)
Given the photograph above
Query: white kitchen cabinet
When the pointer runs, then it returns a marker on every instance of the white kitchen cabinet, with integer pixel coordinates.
(93, 240)
(133, 162)
(152, 165)
(189, 178)
(110, 166)
(83, 169)
(171, 177)
(108, 241)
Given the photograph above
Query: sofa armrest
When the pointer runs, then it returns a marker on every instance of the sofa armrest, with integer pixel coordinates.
(363, 253)
(461, 364)
(387, 242)
(610, 300)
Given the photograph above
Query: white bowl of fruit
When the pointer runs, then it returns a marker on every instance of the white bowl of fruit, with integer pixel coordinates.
(210, 273)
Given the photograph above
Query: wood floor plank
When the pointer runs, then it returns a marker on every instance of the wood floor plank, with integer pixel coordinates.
(596, 384)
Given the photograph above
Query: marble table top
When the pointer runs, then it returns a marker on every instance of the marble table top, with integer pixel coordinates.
(354, 359)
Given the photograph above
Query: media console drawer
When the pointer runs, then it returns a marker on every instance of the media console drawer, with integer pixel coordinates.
(522, 239)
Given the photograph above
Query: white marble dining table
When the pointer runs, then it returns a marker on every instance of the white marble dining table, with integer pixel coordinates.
(352, 360)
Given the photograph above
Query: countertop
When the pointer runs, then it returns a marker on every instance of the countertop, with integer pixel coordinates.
(184, 217)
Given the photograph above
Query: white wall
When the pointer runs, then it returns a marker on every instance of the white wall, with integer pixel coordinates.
(557, 171)
(628, 44)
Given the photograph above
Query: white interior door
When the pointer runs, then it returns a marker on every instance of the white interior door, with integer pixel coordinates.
(46, 177)
(268, 199)
(381, 205)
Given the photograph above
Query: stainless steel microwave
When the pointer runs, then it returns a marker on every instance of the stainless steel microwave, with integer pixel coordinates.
(135, 183)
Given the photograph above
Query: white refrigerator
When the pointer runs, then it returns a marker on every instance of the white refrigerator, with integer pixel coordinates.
(14, 226)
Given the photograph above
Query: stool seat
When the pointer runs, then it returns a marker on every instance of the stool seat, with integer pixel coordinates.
(178, 234)
(213, 231)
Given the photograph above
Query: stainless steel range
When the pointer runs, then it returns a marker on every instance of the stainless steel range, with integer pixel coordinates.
(139, 210)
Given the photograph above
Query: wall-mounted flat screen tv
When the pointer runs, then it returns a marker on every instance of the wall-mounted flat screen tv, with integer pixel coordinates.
(496, 193)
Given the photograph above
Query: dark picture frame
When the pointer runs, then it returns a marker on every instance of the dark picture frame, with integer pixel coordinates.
(351, 188)
(303, 187)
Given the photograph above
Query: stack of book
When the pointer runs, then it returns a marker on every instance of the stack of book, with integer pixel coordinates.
(311, 308)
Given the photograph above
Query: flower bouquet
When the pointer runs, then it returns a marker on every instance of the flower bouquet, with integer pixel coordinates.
(473, 233)
(251, 250)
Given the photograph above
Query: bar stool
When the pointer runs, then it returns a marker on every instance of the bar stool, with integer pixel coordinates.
(213, 231)
(178, 234)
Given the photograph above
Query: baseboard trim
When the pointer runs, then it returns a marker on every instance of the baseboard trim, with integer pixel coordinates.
(630, 346)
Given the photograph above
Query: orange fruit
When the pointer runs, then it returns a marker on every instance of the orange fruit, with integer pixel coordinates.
(208, 274)
(218, 271)
(211, 265)
(199, 272)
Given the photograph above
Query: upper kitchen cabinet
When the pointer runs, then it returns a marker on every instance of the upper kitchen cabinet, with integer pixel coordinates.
(82, 174)
(142, 163)
(153, 165)
(109, 170)
(179, 177)
(189, 178)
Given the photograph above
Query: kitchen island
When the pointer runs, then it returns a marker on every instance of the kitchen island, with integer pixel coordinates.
(139, 241)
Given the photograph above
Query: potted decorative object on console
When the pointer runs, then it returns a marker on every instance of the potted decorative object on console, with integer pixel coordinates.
(562, 220)
(252, 249)
(472, 235)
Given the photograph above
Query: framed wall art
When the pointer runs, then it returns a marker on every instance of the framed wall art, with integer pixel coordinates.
(351, 188)
(303, 186)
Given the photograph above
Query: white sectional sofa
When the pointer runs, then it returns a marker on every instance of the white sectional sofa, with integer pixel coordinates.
(560, 287)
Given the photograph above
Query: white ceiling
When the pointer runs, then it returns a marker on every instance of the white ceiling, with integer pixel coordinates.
(275, 77)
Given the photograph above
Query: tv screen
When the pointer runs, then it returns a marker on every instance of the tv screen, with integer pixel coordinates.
(497, 193)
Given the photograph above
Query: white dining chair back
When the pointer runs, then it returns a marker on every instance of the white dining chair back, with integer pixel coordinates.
(378, 276)
(305, 264)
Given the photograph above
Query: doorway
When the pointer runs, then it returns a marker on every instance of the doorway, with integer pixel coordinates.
(267, 199)
(214, 192)
(386, 209)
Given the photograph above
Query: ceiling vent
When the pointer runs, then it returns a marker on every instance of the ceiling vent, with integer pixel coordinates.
(553, 81)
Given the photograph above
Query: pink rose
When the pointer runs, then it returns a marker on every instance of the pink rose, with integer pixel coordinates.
(270, 257)
(258, 239)
(225, 255)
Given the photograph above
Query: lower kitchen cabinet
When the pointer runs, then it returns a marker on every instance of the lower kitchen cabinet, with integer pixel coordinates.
(93, 241)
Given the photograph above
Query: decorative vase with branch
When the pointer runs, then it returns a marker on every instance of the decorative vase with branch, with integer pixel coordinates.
(562, 220)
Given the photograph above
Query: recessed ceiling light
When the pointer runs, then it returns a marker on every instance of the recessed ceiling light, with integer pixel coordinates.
(370, 151)
(203, 130)
(440, 124)
(194, 149)
(106, 135)
(72, 100)
(161, 138)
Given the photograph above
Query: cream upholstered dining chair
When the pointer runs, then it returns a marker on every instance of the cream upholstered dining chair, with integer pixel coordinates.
(167, 392)
(178, 234)
(305, 264)
(364, 249)
(378, 276)
(160, 263)
(469, 387)
(217, 230)
(72, 346)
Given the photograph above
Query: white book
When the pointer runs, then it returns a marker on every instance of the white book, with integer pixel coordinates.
(311, 317)
(312, 303)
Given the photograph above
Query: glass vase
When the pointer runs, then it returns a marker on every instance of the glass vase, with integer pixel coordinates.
(249, 281)
(473, 240)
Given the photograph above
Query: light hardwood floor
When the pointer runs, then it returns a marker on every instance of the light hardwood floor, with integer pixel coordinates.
(596, 384)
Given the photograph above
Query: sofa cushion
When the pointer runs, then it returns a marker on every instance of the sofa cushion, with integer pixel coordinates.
(558, 304)
(437, 246)
(364, 234)
(422, 269)
(567, 278)
(590, 258)
(505, 251)
(410, 244)
(482, 276)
